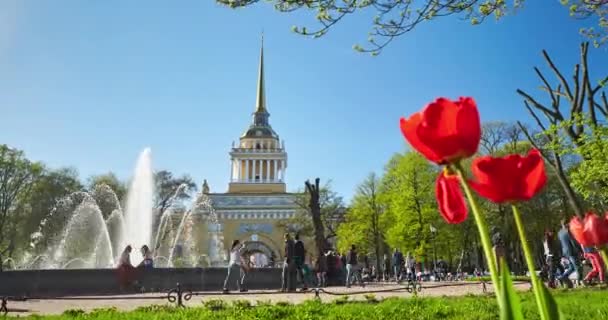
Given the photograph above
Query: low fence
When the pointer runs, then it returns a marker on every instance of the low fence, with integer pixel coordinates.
(55, 283)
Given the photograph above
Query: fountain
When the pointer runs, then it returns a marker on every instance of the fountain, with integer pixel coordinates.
(94, 228)
(137, 230)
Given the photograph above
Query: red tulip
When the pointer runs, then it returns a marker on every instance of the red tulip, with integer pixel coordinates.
(591, 232)
(508, 179)
(450, 199)
(444, 131)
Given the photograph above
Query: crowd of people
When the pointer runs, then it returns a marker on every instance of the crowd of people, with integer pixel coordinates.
(565, 266)
(563, 259)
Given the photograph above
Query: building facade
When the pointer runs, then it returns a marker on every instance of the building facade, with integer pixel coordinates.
(257, 196)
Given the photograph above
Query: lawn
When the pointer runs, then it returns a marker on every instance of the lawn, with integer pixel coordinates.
(574, 304)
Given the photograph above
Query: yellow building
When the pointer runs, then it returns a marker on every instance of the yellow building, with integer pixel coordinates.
(256, 197)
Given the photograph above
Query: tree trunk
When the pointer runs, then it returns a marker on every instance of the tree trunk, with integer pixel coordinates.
(315, 212)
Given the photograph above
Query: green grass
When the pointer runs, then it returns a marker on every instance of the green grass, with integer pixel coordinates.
(577, 304)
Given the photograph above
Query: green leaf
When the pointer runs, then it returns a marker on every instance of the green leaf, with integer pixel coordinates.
(550, 305)
(510, 305)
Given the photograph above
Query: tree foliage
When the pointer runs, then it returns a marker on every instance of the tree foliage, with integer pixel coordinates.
(111, 180)
(595, 9)
(17, 178)
(332, 213)
(394, 18)
(170, 189)
(556, 118)
(363, 223)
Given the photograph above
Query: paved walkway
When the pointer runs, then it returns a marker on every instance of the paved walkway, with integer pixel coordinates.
(130, 302)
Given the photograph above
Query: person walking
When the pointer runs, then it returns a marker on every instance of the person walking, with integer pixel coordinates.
(299, 255)
(236, 264)
(387, 267)
(568, 251)
(321, 270)
(397, 262)
(596, 264)
(551, 259)
(288, 283)
(352, 266)
(498, 246)
(410, 266)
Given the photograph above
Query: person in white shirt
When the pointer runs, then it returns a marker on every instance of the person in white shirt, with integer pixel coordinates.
(125, 257)
(236, 263)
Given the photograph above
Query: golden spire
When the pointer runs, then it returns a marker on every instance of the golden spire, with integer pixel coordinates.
(260, 102)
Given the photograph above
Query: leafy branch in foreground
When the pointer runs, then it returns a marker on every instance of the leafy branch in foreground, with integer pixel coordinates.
(393, 18)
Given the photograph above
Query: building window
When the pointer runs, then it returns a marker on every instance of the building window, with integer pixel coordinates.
(258, 146)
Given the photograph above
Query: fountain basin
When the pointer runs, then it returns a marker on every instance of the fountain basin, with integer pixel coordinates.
(61, 282)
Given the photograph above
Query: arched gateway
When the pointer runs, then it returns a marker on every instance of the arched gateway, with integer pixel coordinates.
(259, 253)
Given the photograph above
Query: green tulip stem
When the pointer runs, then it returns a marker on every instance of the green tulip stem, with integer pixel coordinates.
(482, 227)
(604, 253)
(536, 283)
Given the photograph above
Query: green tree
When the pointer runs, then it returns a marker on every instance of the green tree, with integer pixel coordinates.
(50, 188)
(167, 189)
(111, 180)
(362, 226)
(558, 128)
(409, 194)
(18, 175)
(332, 213)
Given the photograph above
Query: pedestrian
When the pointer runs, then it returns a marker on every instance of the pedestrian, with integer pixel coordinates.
(569, 247)
(410, 266)
(236, 264)
(551, 258)
(321, 270)
(299, 255)
(397, 262)
(289, 277)
(596, 264)
(387, 267)
(498, 246)
(352, 266)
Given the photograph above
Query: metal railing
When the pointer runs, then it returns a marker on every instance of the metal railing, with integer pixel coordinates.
(178, 295)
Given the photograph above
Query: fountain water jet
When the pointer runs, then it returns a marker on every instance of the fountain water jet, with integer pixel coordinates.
(138, 212)
(162, 225)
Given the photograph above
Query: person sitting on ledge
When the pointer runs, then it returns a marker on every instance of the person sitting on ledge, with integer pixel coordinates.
(125, 269)
(148, 262)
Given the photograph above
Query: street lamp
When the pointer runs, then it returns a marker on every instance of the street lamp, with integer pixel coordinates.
(434, 233)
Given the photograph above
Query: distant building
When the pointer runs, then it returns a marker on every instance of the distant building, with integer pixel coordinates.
(257, 198)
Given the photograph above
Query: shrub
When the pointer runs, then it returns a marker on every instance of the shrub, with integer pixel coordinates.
(215, 304)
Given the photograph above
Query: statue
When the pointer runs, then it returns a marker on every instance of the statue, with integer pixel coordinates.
(205, 187)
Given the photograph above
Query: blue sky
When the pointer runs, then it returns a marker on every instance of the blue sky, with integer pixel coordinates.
(90, 84)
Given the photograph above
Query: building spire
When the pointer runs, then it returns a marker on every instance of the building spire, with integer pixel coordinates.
(260, 102)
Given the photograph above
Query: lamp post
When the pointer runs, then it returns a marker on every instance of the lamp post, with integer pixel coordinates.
(434, 233)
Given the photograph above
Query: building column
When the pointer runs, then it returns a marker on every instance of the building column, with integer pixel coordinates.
(247, 170)
(274, 170)
(255, 162)
(231, 170)
(267, 171)
(238, 170)
(282, 170)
